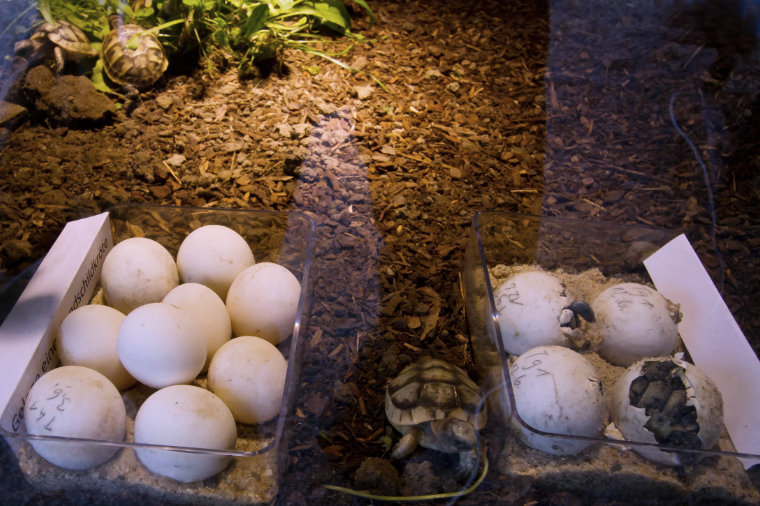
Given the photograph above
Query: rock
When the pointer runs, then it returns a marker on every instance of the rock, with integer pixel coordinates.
(176, 160)
(363, 92)
(164, 101)
(11, 114)
(378, 476)
(66, 99)
(420, 478)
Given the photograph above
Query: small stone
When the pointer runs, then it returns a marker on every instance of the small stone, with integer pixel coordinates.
(363, 92)
(359, 62)
(285, 130)
(301, 130)
(176, 160)
(11, 113)
(164, 101)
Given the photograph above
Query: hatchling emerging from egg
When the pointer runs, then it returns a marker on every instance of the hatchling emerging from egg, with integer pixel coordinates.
(66, 41)
(435, 405)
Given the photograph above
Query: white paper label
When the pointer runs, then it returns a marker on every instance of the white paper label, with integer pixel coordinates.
(64, 280)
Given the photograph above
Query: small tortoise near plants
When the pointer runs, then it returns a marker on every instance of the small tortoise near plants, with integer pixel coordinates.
(66, 41)
(435, 405)
(132, 57)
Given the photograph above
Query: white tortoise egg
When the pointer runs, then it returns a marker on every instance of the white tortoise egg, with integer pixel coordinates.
(209, 311)
(189, 416)
(530, 306)
(161, 345)
(137, 271)
(634, 321)
(79, 402)
(263, 302)
(87, 337)
(248, 374)
(558, 391)
(213, 255)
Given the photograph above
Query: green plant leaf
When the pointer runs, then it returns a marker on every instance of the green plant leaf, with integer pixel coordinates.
(98, 79)
(371, 14)
(330, 13)
(285, 4)
(256, 20)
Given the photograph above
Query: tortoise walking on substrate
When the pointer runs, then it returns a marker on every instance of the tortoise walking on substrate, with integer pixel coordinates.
(132, 58)
(435, 405)
(66, 41)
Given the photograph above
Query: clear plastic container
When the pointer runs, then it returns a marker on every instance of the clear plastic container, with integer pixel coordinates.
(511, 239)
(286, 238)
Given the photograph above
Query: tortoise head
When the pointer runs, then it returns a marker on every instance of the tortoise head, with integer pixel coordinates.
(454, 435)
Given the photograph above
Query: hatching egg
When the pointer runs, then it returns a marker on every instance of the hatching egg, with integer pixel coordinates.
(530, 306)
(669, 402)
(208, 309)
(186, 416)
(248, 374)
(263, 302)
(87, 337)
(558, 391)
(161, 345)
(634, 321)
(78, 402)
(137, 271)
(213, 255)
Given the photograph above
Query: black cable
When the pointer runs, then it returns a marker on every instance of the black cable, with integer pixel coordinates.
(711, 199)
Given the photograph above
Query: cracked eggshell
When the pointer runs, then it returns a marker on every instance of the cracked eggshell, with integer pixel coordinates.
(634, 321)
(263, 302)
(87, 337)
(248, 374)
(75, 401)
(529, 306)
(190, 416)
(557, 390)
(137, 271)
(161, 345)
(213, 255)
(701, 393)
(208, 309)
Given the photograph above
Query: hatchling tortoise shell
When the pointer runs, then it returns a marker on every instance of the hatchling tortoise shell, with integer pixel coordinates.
(435, 404)
(67, 41)
(132, 58)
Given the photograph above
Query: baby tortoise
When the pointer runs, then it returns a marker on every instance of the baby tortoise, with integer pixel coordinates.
(132, 58)
(67, 42)
(435, 405)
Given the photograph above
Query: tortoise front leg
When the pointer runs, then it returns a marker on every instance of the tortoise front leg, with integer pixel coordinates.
(60, 60)
(407, 444)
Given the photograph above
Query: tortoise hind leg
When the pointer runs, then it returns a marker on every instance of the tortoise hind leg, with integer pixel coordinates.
(407, 444)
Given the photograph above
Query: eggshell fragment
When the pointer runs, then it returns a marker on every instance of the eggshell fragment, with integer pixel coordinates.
(187, 416)
(263, 302)
(78, 402)
(209, 311)
(137, 271)
(530, 305)
(634, 321)
(558, 391)
(87, 337)
(213, 255)
(669, 402)
(248, 374)
(161, 345)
